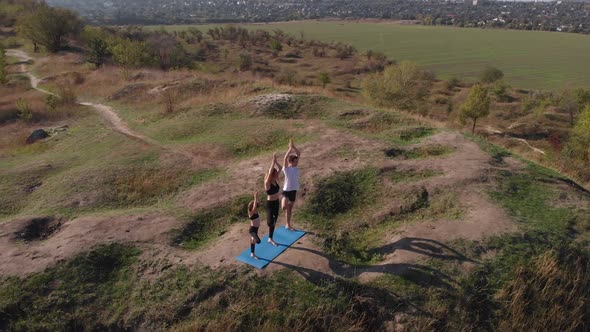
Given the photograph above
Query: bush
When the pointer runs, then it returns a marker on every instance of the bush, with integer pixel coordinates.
(342, 192)
(404, 85)
(324, 79)
(501, 91)
(51, 102)
(491, 74)
(578, 146)
(24, 110)
(245, 62)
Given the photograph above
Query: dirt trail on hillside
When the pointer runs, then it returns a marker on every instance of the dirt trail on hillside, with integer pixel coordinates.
(106, 112)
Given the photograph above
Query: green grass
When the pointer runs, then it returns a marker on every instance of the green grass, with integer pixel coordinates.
(88, 168)
(210, 224)
(342, 192)
(68, 294)
(528, 200)
(529, 59)
(422, 152)
(104, 290)
(343, 207)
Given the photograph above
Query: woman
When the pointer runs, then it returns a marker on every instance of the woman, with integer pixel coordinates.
(291, 181)
(272, 187)
(254, 224)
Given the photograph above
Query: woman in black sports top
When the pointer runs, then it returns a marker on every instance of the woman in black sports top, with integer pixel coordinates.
(272, 188)
(254, 224)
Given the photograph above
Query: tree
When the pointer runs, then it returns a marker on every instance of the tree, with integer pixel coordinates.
(369, 54)
(128, 54)
(570, 102)
(97, 52)
(167, 51)
(578, 146)
(477, 106)
(324, 79)
(3, 64)
(491, 75)
(48, 27)
(402, 85)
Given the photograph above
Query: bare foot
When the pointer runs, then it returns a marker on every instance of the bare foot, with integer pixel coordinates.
(289, 228)
(271, 241)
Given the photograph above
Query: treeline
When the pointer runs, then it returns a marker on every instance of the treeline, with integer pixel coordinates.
(549, 16)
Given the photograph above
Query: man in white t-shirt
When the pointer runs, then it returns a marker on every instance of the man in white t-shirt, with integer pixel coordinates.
(291, 181)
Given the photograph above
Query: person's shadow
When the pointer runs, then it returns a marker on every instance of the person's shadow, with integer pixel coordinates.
(419, 274)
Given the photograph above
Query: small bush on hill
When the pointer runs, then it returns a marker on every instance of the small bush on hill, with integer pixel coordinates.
(24, 110)
(245, 62)
(342, 192)
(491, 75)
(404, 85)
(578, 146)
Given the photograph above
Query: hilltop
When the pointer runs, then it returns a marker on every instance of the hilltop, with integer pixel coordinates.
(129, 215)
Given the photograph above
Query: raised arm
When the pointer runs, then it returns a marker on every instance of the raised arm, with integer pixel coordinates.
(286, 159)
(256, 202)
(272, 165)
(279, 166)
(297, 152)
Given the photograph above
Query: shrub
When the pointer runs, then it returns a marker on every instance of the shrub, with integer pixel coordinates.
(491, 75)
(342, 192)
(404, 85)
(276, 47)
(501, 91)
(51, 102)
(24, 110)
(578, 146)
(169, 100)
(245, 62)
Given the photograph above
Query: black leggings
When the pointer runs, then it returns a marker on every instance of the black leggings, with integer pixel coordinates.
(272, 214)
(254, 234)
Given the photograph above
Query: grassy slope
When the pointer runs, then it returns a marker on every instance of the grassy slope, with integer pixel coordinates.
(530, 59)
(106, 283)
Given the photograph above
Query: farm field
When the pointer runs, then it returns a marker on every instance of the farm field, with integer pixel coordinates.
(529, 59)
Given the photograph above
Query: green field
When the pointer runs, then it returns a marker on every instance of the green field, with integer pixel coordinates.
(530, 59)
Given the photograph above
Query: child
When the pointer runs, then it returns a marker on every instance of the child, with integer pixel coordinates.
(254, 224)
(291, 181)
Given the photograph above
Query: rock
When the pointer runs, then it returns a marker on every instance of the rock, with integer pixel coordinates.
(36, 135)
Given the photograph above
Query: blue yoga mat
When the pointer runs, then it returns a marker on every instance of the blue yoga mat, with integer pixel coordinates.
(266, 252)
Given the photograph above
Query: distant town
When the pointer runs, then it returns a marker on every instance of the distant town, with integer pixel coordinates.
(546, 16)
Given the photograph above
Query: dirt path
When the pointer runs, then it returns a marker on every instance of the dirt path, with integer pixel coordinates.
(106, 112)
